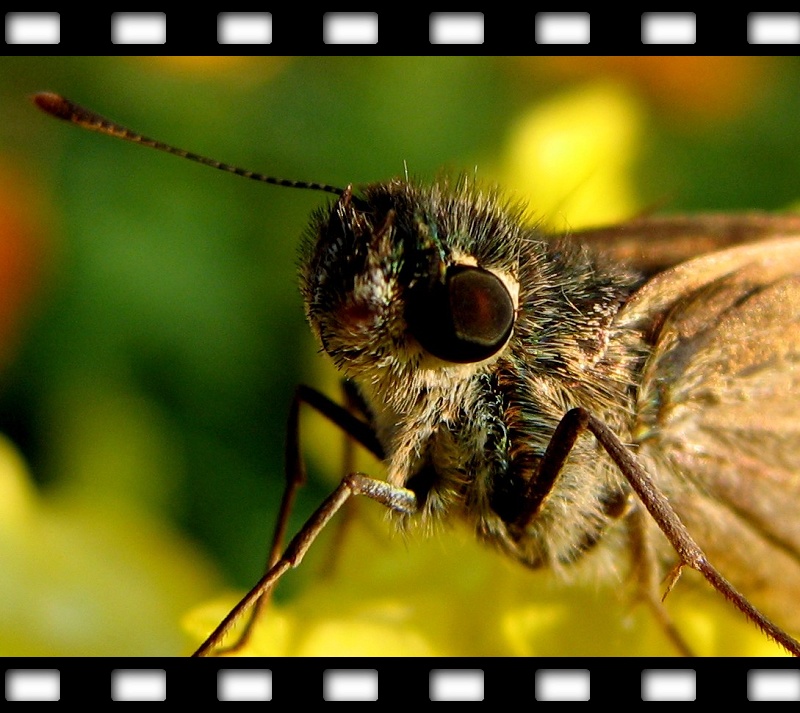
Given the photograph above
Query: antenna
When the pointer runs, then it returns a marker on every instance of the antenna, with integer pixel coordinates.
(62, 108)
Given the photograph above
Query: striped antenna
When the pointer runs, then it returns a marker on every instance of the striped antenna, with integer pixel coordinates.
(61, 108)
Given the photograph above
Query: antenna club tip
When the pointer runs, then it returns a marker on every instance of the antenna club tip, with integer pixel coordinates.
(53, 104)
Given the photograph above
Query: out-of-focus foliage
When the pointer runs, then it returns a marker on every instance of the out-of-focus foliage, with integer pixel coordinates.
(151, 331)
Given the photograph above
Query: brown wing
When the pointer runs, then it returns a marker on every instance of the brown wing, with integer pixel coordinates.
(656, 243)
(719, 412)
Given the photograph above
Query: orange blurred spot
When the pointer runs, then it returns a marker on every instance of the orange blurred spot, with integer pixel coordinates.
(706, 87)
(243, 68)
(20, 258)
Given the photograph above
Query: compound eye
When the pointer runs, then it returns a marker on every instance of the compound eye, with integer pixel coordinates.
(465, 319)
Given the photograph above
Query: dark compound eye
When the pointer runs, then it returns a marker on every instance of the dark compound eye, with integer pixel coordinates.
(465, 319)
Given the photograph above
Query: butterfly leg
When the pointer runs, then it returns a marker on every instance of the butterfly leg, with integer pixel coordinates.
(295, 478)
(656, 503)
(354, 404)
(572, 425)
(649, 580)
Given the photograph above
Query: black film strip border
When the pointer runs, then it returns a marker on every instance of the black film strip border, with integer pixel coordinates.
(402, 30)
(505, 680)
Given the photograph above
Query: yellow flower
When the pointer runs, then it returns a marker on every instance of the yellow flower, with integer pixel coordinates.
(450, 596)
(81, 579)
(572, 157)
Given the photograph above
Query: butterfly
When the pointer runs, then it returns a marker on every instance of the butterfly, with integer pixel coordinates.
(632, 389)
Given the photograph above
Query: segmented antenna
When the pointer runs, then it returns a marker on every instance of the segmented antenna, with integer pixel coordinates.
(62, 108)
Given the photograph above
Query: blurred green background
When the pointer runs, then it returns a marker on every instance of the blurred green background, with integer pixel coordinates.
(151, 331)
